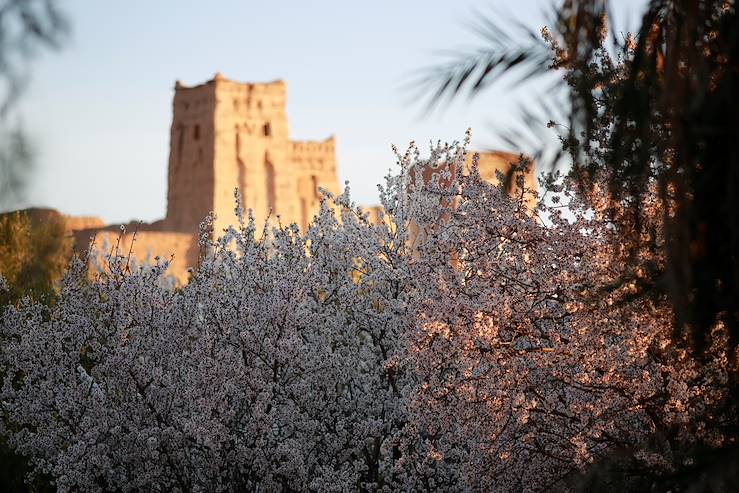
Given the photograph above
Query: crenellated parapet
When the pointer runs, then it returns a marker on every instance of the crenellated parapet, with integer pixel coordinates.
(313, 165)
(311, 148)
(251, 97)
(313, 156)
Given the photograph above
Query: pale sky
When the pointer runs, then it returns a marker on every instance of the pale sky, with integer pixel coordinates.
(99, 110)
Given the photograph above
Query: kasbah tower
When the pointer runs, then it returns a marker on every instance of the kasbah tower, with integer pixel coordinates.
(228, 135)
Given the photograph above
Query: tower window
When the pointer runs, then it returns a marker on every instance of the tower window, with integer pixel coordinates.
(267, 129)
(196, 132)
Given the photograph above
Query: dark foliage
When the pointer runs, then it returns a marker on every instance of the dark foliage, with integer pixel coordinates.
(34, 251)
(26, 26)
(671, 120)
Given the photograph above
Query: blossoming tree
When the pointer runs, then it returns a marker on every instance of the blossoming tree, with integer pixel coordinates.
(460, 344)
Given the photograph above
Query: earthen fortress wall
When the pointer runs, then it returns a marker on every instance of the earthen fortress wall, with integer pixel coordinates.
(228, 135)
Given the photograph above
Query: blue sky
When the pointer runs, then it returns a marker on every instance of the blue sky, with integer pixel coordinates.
(99, 110)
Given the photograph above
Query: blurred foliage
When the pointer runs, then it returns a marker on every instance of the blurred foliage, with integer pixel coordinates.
(33, 246)
(16, 163)
(34, 251)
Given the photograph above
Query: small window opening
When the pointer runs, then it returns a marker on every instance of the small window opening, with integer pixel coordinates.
(267, 129)
(196, 132)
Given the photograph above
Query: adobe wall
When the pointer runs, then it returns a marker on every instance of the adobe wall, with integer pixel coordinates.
(148, 245)
(82, 222)
(228, 135)
(278, 178)
(314, 164)
(190, 176)
(494, 161)
(489, 164)
(251, 140)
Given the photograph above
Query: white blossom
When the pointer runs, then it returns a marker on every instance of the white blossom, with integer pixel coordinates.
(457, 345)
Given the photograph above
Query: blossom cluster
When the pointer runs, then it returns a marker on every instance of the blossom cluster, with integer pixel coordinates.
(462, 343)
